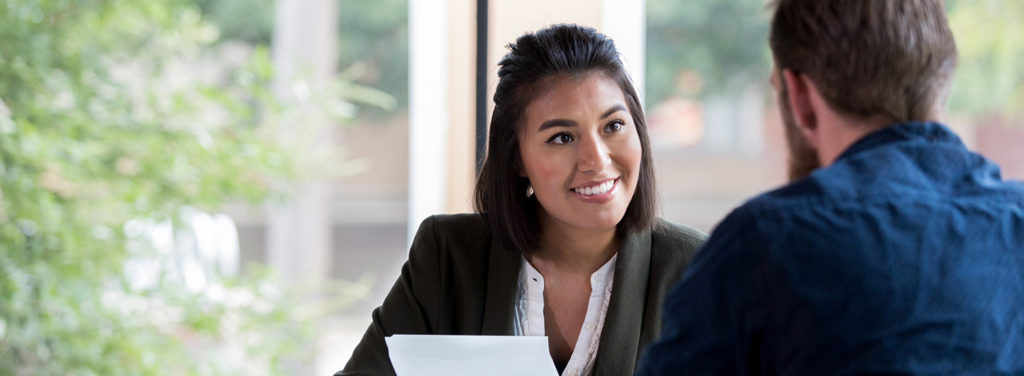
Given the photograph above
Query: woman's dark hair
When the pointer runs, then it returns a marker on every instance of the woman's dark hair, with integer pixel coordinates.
(556, 51)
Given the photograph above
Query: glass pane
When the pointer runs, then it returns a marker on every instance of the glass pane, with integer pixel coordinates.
(716, 141)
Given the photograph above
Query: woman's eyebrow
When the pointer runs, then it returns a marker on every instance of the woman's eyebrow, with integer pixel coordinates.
(614, 109)
(569, 123)
(556, 123)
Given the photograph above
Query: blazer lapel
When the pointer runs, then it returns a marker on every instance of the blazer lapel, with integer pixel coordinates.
(620, 337)
(502, 281)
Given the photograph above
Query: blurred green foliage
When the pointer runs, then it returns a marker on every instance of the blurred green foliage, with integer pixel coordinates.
(724, 42)
(103, 123)
(990, 38)
(373, 45)
(250, 21)
(373, 40)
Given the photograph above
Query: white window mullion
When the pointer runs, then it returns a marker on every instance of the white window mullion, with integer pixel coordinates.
(428, 110)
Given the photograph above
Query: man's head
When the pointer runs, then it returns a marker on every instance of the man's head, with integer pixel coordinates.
(873, 62)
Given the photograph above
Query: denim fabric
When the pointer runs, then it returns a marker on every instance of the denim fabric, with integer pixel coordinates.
(904, 257)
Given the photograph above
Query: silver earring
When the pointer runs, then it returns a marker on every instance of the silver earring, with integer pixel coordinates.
(529, 191)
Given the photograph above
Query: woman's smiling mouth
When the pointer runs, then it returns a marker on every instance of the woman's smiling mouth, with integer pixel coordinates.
(596, 192)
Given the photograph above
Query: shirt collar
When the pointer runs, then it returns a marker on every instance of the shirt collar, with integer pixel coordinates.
(599, 279)
(924, 131)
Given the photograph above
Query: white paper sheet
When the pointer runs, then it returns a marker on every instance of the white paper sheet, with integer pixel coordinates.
(435, 355)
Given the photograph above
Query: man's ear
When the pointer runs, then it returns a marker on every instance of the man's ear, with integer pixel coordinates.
(799, 90)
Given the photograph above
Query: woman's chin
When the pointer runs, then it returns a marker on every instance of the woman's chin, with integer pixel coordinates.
(598, 224)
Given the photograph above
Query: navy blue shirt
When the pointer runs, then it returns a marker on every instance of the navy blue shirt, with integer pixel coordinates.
(905, 256)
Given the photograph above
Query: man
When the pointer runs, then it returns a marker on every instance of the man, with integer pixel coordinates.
(894, 250)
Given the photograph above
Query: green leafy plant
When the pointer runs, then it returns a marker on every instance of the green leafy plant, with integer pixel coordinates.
(104, 123)
(372, 34)
(989, 78)
(703, 48)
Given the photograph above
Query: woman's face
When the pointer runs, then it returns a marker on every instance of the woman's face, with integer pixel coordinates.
(581, 151)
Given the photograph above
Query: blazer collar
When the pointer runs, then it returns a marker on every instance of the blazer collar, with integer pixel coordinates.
(502, 282)
(620, 337)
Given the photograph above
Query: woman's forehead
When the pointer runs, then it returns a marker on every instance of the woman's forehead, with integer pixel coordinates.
(575, 96)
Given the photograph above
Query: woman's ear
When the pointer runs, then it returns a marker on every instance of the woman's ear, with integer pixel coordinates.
(799, 89)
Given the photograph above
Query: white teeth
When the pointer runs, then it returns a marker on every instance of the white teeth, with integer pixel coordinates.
(597, 189)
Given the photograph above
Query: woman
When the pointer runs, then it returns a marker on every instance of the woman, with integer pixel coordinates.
(566, 243)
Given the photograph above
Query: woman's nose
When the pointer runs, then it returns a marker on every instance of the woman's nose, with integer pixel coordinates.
(592, 155)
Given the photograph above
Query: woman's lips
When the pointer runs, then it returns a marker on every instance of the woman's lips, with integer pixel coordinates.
(597, 193)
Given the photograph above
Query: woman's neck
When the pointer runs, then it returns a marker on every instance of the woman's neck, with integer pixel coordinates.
(572, 249)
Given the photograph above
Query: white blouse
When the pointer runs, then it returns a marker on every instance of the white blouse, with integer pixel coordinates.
(530, 313)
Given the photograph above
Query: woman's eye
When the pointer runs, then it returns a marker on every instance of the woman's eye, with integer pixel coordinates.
(560, 138)
(615, 126)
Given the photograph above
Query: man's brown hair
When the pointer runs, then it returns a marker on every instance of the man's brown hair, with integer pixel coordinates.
(868, 58)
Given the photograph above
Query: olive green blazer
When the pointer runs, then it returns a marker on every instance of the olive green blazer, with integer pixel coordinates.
(459, 280)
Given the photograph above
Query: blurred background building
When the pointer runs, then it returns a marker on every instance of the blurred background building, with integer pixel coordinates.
(404, 86)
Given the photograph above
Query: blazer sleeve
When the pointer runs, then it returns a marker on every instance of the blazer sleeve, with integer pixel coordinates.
(410, 307)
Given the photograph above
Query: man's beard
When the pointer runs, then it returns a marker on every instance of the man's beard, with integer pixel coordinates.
(803, 159)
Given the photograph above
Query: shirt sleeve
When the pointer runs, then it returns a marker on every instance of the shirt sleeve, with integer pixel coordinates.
(410, 307)
(710, 316)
